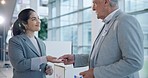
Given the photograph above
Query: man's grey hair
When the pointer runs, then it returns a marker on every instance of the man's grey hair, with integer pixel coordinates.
(114, 3)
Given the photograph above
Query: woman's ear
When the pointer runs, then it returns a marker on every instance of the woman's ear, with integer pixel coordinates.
(24, 24)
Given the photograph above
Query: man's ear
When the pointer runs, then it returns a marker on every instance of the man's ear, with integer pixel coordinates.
(107, 3)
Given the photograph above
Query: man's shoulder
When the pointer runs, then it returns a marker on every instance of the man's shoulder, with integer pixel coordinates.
(126, 17)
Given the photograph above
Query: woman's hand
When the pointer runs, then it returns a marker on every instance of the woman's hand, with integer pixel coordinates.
(53, 59)
(49, 70)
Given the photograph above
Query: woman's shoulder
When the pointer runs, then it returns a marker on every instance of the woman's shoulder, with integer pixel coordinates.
(16, 38)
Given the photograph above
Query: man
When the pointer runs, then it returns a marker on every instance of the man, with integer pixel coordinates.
(118, 49)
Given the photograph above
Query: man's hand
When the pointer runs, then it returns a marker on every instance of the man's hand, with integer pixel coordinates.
(88, 74)
(67, 59)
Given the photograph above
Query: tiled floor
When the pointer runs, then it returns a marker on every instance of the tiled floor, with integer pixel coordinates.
(5, 72)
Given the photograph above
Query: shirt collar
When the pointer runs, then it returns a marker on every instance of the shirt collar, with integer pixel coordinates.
(109, 17)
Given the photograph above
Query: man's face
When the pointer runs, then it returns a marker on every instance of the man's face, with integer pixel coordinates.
(99, 8)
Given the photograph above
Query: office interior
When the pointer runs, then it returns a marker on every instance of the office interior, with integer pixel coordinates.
(71, 21)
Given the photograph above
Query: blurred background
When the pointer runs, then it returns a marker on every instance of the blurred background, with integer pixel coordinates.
(65, 20)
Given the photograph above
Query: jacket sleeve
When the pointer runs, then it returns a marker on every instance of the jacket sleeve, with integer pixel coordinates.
(81, 60)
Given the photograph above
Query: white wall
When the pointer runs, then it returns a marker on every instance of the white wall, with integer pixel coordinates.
(57, 49)
(96, 26)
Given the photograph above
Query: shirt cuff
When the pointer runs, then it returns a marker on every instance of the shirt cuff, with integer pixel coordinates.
(37, 61)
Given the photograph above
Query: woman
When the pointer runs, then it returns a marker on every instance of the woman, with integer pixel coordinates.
(26, 52)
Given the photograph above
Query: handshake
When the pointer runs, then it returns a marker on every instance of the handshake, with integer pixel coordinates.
(66, 59)
(69, 59)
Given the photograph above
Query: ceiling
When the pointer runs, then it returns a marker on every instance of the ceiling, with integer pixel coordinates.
(6, 11)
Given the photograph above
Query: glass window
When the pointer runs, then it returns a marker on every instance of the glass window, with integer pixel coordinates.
(70, 33)
(24, 1)
(68, 19)
(135, 5)
(86, 38)
(142, 18)
(73, 5)
(54, 34)
(53, 9)
(64, 6)
(87, 3)
(51, 0)
(54, 23)
(75, 49)
(87, 15)
(64, 20)
(73, 18)
(68, 6)
(86, 49)
(86, 34)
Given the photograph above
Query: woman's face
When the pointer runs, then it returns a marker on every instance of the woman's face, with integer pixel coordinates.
(33, 22)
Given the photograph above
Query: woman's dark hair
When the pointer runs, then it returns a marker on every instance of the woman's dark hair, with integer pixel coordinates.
(18, 26)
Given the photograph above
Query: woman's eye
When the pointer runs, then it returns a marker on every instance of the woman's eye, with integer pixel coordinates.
(33, 19)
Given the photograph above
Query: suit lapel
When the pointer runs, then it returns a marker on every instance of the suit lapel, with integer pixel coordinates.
(110, 24)
(96, 40)
(30, 44)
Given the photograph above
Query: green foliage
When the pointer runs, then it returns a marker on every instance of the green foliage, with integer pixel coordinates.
(43, 33)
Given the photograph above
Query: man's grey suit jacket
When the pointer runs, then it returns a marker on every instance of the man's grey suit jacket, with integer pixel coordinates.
(21, 50)
(120, 52)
